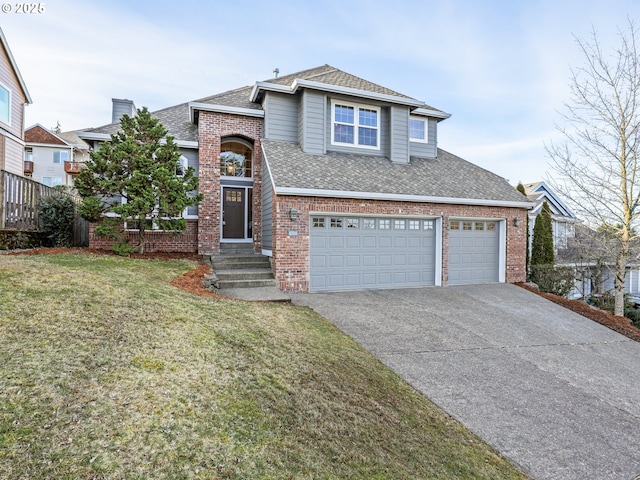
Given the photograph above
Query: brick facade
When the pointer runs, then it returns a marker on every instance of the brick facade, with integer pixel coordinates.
(291, 253)
(213, 127)
(186, 242)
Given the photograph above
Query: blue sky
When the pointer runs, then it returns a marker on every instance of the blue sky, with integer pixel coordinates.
(500, 68)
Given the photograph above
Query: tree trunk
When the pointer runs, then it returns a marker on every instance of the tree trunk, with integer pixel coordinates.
(621, 266)
(140, 246)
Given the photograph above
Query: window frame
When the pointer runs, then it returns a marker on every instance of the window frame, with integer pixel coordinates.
(356, 124)
(9, 103)
(425, 122)
(59, 154)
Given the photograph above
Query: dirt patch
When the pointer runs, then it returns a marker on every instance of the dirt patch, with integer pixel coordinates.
(619, 324)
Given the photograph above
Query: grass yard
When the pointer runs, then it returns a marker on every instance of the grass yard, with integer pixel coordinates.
(109, 372)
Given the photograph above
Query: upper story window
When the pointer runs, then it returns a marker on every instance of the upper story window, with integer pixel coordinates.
(5, 105)
(236, 159)
(355, 125)
(60, 156)
(418, 130)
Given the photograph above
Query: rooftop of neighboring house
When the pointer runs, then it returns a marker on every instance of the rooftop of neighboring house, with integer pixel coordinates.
(539, 192)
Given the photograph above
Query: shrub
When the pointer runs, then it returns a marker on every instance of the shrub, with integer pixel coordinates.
(550, 279)
(57, 216)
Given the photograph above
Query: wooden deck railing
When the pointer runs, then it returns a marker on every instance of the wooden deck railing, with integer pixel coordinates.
(20, 196)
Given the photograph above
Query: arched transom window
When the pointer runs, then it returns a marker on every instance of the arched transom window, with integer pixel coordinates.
(236, 158)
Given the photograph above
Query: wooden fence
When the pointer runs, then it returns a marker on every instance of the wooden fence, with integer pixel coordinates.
(19, 206)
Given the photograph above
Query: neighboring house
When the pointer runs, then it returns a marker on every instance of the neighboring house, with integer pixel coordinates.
(53, 158)
(13, 98)
(579, 247)
(563, 219)
(341, 182)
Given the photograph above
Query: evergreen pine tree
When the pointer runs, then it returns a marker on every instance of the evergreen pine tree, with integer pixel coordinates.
(542, 254)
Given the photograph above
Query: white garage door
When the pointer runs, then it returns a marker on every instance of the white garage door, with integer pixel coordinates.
(351, 253)
(474, 251)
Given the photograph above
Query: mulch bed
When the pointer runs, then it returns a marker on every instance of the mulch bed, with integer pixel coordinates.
(619, 324)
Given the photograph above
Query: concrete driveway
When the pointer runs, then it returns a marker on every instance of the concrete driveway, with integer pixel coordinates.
(557, 394)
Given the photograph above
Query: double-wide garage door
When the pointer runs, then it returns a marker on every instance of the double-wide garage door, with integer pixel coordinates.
(352, 253)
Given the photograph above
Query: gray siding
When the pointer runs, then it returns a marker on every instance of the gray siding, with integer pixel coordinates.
(399, 134)
(281, 117)
(384, 129)
(312, 122)
(426, 150)
(267, 209)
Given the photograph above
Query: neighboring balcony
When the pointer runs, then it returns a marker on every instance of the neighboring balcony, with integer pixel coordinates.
(28, 167)
(73, 167)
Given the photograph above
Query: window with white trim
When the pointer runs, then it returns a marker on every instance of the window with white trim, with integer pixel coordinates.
(355, 125)
(60, 156)
(5, 105)
(52, 181)
(418, 129)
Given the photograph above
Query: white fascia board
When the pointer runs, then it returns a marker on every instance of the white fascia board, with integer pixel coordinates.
(274, 87)
(106, 137)
(426, 112)
(325, 87)
(356, 93)
(16, 70)
(186, 144)
(309, 192)
(94, 136)
(13, 137)
(208, 107)
(266, 164)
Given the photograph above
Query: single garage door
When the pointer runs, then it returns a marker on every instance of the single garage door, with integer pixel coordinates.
(474, 251)
(351, 253)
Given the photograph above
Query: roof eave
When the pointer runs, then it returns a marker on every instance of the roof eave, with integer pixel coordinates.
(259, 87)
(312, 192)
(14, 65)
(208, 107)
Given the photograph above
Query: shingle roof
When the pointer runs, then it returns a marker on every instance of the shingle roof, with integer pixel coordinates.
(448, 176)
(177, 121)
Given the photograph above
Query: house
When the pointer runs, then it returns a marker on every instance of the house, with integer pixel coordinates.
(53, 158)
(341, 183)
(562, 218)
(14, 96)
(580, 247)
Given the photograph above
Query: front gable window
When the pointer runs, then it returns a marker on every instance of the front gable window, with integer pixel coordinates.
(355, 125)
(5, 105)
(418, 130)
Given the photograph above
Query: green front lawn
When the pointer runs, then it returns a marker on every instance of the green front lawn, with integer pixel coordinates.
(109, 372)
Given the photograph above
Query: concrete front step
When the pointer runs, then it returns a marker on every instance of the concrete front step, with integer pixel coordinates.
(266, 282)
(244, 274)
(230, 261)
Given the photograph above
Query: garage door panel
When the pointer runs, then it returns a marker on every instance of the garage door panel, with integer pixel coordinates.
(385, 242)
(388, 253)
(473, 253)
(336, 242)
(369, 242)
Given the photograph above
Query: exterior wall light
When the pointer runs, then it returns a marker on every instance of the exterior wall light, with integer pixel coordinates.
(293, 214)
(516, 222)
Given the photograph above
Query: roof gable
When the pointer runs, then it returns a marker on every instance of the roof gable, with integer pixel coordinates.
(38, 134)
(539, 192)
(14, 66)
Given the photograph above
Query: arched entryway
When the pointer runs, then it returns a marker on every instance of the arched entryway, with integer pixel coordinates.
(236, 183)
